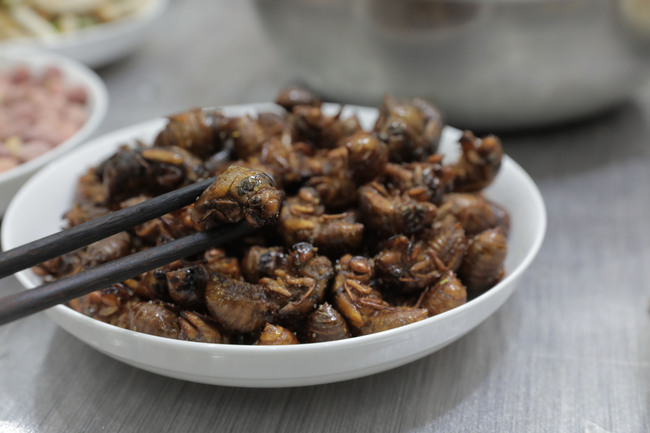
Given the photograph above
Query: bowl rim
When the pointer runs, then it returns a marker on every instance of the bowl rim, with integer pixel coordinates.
(72, 71)
(147, 12)
(25, 277)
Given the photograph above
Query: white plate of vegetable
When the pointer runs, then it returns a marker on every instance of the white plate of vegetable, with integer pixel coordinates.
(93, 32)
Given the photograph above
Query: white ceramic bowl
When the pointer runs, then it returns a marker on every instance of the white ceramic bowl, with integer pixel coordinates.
(103, 43)
(75, 74)
(36, 212)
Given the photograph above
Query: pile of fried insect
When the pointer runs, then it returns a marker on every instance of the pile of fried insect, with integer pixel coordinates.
(359, 231)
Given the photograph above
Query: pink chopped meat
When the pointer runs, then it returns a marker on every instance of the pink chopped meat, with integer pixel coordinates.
(76, 115)
(77, 94)
(32, 149)
(20, 74)
(7, 163)
(38, 111)
(52, 72)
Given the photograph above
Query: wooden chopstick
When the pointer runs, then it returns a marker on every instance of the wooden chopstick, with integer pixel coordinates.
(91, 231)
(22, 304)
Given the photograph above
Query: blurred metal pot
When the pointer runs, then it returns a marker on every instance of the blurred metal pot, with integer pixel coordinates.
(488, 64)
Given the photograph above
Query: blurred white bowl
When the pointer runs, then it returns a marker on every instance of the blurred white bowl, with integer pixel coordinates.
(36, 212)
(74, 73)
(101, 44)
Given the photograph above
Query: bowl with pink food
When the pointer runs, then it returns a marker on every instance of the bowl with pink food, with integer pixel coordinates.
(49, 104)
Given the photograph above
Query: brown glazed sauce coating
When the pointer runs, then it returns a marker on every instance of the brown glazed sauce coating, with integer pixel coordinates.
(238, 193)
(359, 231)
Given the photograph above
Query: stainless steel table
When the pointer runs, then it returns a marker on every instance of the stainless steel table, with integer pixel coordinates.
(569, 352)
